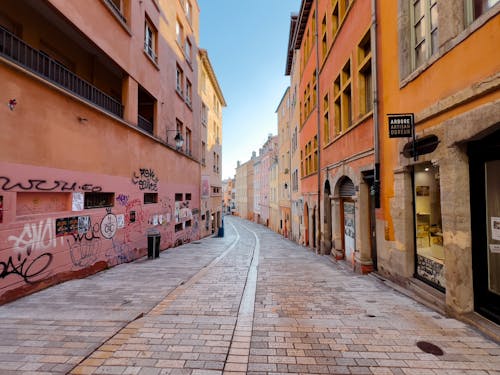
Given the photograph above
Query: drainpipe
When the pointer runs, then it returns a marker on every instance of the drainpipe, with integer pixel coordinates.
(318, 110)
(373, 34)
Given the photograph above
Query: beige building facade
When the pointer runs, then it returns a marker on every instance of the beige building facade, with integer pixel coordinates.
(283, 113)
(212, 102)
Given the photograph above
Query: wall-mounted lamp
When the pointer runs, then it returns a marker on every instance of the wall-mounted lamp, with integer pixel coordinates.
(12, 104)
(179, 140)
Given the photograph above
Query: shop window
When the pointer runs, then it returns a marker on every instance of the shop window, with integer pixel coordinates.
(428, 225)
(98, 200)
(150, 198)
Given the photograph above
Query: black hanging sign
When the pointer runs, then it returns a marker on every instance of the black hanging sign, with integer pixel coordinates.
(401, 125)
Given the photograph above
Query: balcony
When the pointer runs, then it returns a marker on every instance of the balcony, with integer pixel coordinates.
(17, 51)
(145, 124)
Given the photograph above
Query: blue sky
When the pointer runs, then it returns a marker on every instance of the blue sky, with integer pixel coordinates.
(247, 44)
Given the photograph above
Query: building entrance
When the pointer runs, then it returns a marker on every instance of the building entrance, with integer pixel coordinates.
(484, 170)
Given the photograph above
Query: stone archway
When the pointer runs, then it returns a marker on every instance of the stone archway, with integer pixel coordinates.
(306, 225)
(327, 221)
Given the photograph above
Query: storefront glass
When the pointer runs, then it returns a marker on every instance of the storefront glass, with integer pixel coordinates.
(492, 169)
(428, 225)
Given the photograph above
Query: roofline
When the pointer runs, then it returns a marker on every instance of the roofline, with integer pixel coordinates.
(305, 9)
(211, 73)
(293, 27)
(282, 98)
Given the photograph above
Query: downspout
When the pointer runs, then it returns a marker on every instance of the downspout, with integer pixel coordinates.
(318, 110)
(373, 33)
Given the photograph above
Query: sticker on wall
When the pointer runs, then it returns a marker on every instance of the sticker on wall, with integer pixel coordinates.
(495, 248)
(61, 226)
(155, 220)
(78, 199)
(132, 216)
(160, 219)
(72, 225)
(495, 228)
(109, 226)
(120, 221)
(83, 224)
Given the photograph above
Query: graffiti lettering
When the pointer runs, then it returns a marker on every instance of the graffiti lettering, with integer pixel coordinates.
(146, 179)
(122, 199)
(119, 253)
(86, 246)
(44, 185)
(35, 237)
(109, 225)
(26, 269)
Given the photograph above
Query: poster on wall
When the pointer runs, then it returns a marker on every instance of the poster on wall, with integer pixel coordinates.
(61, 226)
(72, 225)
(83, 224)
(349, 230)
(120, 221)
(495, 228)
(205, 187)
(78, 200)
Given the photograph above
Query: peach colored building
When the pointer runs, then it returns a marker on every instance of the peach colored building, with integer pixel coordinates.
(212, 102)
(437, 228)
(99, 94)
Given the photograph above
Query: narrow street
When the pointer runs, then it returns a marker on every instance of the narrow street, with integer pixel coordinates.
(250, 302)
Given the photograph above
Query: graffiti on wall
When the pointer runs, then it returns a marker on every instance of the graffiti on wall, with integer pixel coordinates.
(45, 185)
(146, 179)
(35, 237)
(27, 268)
(86, 244)
(122, 199)
(109, 225)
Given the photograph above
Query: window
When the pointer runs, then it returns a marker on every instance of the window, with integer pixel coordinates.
(189, 92)
(150, 198)
(179, 33)
(324, 41)
(188, 48)
(326, 122)
(187, 142)
(188, 196)
(203, 153)
(178, 197)
(204, 114)
(424, 30)
(178, 227)
(189, 11)
(97, 200)
(335, 17)
(150, 39)
(365, 75)
(475, 8)
(203, 81)
(179, 127)
(343, 100)
(179, 80)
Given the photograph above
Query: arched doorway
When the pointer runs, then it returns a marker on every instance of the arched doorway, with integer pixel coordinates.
(306, 225)
(327, 227)
(347, 191)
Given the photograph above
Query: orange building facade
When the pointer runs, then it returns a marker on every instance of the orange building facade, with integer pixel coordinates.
(97, 98)
(437, 228)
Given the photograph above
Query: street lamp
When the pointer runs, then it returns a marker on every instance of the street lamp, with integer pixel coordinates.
(179, 140)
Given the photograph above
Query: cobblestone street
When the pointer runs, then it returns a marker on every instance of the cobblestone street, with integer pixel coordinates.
(250, 302)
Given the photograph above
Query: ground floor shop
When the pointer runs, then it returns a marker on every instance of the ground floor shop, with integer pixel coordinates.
(446, 213)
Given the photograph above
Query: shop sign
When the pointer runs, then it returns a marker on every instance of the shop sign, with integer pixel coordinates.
(401, 125)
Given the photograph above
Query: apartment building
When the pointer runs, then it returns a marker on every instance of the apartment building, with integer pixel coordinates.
(437, 228)
(229, 196)
(100, 135)
(293, 70)
(284, 158)
(212, 102)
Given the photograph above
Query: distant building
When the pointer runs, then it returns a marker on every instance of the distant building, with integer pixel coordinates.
(228, 196)
(101, 135)
(212, 102)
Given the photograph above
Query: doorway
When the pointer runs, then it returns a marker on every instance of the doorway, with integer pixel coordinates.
(484, 172)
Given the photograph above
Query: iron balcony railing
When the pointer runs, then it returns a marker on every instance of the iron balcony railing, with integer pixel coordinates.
(14, 49)
(145, 124)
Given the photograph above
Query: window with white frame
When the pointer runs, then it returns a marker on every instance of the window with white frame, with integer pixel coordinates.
(188, 50)
(424, 30)
(189, 92)
(179, 80)
(179, 32)
(150, 39)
